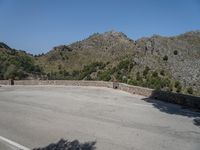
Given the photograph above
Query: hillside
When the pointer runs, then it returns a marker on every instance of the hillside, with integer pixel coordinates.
(107, 47)
(17, 64)
(167, 63)
(147, 62)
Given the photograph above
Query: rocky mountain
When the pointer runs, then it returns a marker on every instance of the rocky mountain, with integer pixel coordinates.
(107, 47)
(178, 56)
(167, 63)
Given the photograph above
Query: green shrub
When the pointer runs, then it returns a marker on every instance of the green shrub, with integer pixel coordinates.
(124, 79)
(104, 75)
(153, 82)
(177, 84)
(75, 73)
(162, 72)
(130, 66)
(61, 54)
(59, 66)
(88, 77)
(175, 52)
(124, 65)
(88, 69)
(190, 90)
(178, 89)
(165, 58)
(170, 87)
(11, 72)
(138, 77)
(132, 82)
(154, 74)
(66, 73)
(60, 72)
(146, 71)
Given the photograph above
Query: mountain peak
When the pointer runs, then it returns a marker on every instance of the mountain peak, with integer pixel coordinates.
(114, 34)
(109, 34)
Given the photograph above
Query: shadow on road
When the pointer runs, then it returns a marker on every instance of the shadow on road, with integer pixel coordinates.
(69, 145)
(197, 121)
(175, 109)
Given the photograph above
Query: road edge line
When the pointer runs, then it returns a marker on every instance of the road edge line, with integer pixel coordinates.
(14, 144)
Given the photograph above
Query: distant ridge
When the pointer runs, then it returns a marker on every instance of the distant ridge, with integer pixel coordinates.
(167, 63)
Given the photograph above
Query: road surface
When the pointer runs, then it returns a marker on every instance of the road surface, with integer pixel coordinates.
(35, 116)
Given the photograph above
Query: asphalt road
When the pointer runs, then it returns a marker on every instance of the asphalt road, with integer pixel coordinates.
(36, 116)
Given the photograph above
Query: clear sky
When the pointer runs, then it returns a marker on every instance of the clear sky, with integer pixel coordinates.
(38, 25)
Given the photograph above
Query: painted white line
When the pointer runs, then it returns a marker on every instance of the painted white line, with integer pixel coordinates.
(14, 144)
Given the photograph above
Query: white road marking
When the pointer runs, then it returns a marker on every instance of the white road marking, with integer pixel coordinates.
(14, 144)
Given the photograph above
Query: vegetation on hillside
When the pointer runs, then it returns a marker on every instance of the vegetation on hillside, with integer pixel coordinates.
(124, 72)
(76, 74)
(16, 64)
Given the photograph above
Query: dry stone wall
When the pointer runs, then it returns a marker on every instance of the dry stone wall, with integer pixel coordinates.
(135, 89)
(59, 82)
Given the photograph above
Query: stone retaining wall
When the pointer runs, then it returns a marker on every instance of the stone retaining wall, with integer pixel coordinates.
(4, 82)
(181, 99)
(59, 82)
(135, 89)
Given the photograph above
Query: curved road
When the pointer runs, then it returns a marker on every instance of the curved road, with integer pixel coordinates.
(36, 116)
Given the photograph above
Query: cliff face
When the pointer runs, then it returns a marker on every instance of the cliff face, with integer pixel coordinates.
(179, 56)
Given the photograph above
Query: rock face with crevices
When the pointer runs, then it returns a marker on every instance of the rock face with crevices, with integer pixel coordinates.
(182, 52)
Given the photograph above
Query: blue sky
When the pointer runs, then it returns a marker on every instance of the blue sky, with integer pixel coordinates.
(38, 25)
